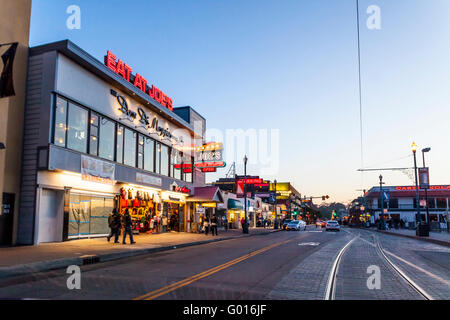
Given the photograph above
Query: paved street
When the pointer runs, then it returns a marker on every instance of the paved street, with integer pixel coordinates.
(282, 265)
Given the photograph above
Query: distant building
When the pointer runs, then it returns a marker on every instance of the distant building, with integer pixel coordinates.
(400, 202)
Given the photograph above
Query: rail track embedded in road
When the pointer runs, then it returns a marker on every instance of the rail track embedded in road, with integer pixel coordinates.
(331, 284)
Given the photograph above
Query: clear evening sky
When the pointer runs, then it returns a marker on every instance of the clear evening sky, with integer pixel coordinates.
(289, 65)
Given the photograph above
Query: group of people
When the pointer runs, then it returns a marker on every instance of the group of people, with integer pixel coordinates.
(116, 221)
(208, 224)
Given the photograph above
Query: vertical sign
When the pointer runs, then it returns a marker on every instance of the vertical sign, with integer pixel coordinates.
(424, 178)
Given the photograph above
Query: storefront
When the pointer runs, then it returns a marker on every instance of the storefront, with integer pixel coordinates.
(203, 205)
(100, 140)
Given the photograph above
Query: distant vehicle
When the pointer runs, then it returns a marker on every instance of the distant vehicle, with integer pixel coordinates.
(285, 223)
(332, 225)
(321, 223)
(296, 225)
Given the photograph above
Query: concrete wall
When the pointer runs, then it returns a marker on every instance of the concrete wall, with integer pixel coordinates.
(14, 27)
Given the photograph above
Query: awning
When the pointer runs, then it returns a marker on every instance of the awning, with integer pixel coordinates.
(206, 194)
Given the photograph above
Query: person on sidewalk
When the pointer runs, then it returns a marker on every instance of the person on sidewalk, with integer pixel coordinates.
(115, 225)
(214, 225)
(127, 226)
(207, 223)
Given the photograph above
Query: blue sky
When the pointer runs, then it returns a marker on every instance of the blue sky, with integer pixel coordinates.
(289, 65)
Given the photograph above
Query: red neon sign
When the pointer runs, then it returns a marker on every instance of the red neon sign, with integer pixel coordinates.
(124, 70)
(216, 164)
(251, 181)
(209, 170)
(183, 190)
(413, 188)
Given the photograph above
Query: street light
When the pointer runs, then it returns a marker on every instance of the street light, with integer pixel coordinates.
(419, 230)
(245, 225)
(382, 202)
(426, 189)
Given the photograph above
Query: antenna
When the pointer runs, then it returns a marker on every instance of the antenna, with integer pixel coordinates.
(232, 171)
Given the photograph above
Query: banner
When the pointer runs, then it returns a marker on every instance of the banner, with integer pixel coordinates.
(6, 78)
(424, 178)
(97, 170)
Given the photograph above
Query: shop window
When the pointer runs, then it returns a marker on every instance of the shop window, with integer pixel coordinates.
(441, 203)
(188, 161)
(176, 161)
(393, 203)
(141, 152)
(93, 142)
(60, 122)
(431, 203)
(129, 156)
(106, 141)
(149, 155)
(164, 160)
(119, 149)
(77, 128)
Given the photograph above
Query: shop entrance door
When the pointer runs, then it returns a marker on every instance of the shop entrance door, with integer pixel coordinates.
(88, 216)
(7, 218)
(51, 214)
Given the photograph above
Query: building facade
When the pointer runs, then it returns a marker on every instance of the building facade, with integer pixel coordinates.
(14, 28)
(97, 137)
(399, 202)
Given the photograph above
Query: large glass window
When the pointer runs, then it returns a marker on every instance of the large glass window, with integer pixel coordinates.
(158, 158)
(77, 128)
(176, 164)
(106, 142)
(164, 160)
(141, 152)
(188, 162)
(93, 142)
(149, 154)
(120, 135)
(60, 122)
(129, 149)
(441, 203)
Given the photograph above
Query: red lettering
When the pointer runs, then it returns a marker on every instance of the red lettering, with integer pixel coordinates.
(144, 84)
(138, 81)
(110, 61)
(120, 69)
(128, 70)
(151, 92)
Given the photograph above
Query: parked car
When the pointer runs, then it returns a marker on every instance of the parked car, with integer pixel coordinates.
(332, 225)
(285, 223)
(296, 225)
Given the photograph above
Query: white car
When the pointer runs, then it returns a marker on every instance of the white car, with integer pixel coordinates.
(296, 225)
(332, 225)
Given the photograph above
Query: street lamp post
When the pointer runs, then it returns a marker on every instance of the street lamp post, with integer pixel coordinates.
(245, 225)
(276, 214)
(426, 189)
(382, 203)
(418, 217)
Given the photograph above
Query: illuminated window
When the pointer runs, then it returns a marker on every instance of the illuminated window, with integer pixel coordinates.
(120, 135)
(77, 128)
(93, 142)
(60, 122)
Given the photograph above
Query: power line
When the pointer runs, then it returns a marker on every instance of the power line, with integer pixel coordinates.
(360, 92)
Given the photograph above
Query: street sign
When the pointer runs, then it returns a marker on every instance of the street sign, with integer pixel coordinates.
(386, 195)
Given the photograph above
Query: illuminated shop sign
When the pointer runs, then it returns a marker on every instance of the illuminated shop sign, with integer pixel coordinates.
(214, 164)
(174, 187)
(209, 157)
(152, 125)
(124, 70)
(430, 188)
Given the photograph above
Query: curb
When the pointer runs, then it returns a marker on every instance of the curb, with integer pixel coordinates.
(42, 266)
(435, 241)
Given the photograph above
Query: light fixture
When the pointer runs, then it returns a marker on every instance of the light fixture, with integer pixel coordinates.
(414, 147)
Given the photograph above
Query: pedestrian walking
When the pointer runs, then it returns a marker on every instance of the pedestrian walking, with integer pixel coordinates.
(127, 227)
(214, 226)
(207, 224)
(114, 224)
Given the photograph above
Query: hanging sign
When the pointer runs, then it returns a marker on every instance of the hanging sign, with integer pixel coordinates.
(424, 178)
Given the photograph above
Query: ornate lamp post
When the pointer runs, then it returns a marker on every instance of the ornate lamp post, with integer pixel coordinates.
(245, 224)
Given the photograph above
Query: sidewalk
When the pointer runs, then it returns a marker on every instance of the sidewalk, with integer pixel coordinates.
(442, 238)
(16, 261)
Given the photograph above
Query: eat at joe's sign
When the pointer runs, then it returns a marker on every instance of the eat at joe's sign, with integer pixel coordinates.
(124, 70)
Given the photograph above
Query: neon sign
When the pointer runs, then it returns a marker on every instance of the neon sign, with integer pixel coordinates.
(124, 70)
(430, 188)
